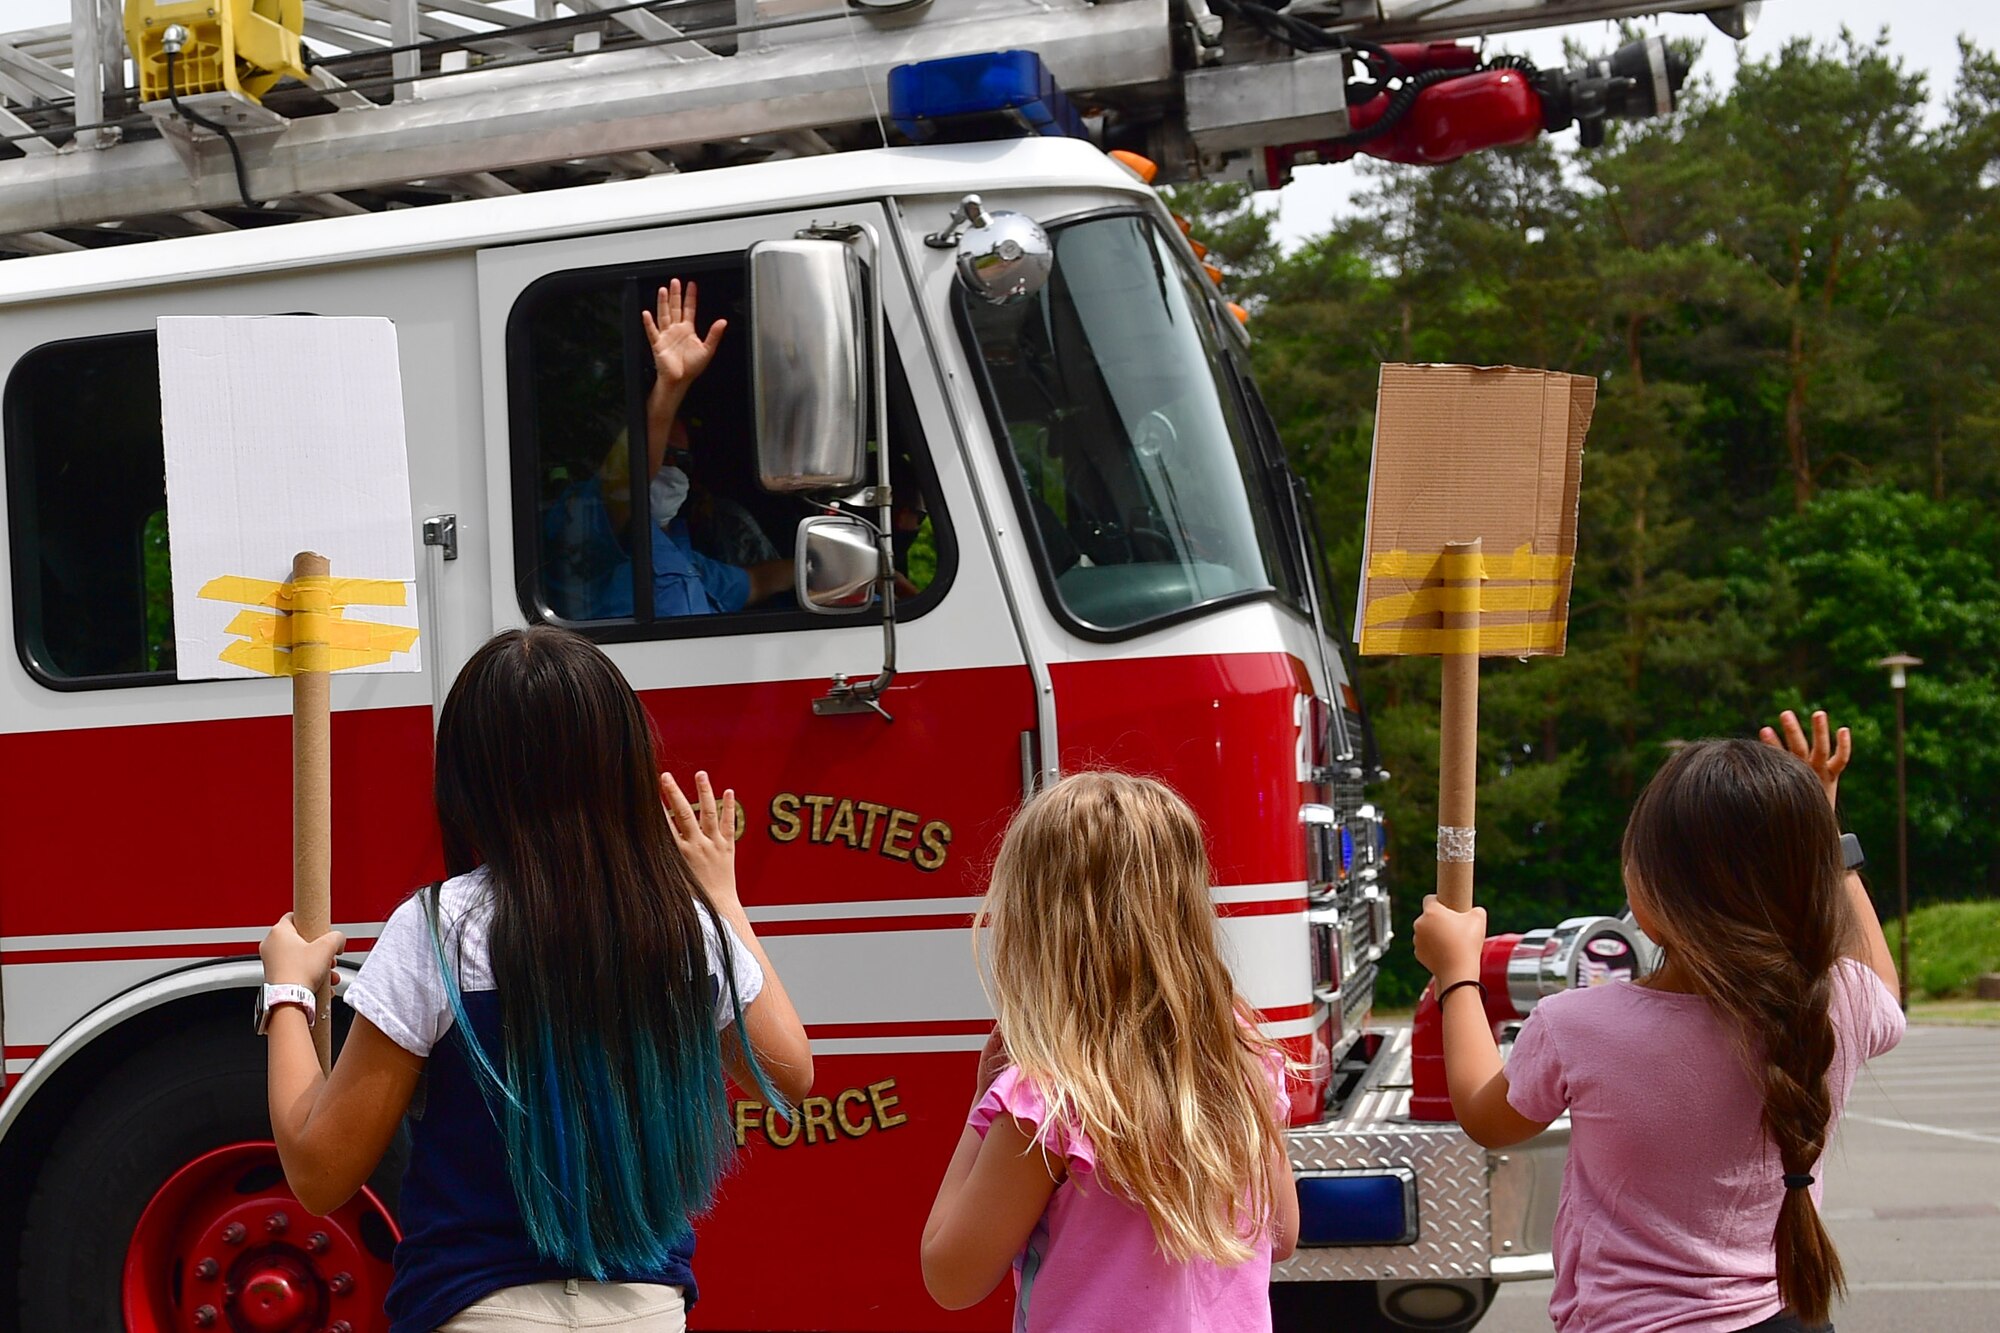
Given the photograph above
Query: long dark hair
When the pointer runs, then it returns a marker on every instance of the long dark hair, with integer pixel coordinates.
(609, 1085)
(1735, 849)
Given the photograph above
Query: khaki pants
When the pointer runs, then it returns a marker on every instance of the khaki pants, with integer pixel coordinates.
(631, 1307)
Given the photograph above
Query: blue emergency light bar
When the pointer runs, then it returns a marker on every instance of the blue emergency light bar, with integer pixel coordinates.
(991, 95)
(1358, 1208)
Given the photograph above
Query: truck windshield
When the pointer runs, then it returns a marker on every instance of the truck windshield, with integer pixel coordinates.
(1134, 461)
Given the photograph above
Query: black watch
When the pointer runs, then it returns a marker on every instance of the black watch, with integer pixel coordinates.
(1850, 851)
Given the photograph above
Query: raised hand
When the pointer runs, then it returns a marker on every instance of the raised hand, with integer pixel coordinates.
(1827, 754)
(706, 835)
(680, 353)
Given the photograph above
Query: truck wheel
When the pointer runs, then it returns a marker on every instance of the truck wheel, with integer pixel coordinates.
(161, 1208)
(1380, 1307)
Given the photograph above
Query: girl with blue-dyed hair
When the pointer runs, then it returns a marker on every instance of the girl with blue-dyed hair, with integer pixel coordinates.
(556, 1019)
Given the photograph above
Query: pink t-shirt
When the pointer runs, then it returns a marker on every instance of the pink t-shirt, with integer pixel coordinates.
(1672, 1188)
(1092, 1265)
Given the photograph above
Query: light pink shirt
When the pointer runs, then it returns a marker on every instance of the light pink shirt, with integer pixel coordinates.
(1672, 1188)
(1092, 1265)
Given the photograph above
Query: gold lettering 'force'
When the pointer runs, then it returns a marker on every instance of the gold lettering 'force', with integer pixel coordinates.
(900, 835)
(851, 1114)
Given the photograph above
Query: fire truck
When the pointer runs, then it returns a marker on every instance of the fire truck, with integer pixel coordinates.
(979, 386)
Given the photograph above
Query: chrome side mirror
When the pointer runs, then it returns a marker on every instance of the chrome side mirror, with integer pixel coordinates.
(808, 365)
(1003, 257)
(839, 564)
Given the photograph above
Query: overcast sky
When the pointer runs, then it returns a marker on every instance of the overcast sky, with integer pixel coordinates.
(1923, 32)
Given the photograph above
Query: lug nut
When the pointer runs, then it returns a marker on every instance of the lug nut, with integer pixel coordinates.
(341, 1283)
(317, 1242)
(204, 1316)
(276, 1223)
(207, 1269)
(234, 1234)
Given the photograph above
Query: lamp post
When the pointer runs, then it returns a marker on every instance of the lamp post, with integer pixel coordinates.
(1898, 665)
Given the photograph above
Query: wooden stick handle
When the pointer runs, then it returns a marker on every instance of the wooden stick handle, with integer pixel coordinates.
(1458, 726)
(312, 782)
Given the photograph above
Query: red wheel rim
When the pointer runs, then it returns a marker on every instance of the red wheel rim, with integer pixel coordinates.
(225, 1247)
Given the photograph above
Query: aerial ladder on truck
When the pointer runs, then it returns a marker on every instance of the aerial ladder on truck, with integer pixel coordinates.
(160, 118)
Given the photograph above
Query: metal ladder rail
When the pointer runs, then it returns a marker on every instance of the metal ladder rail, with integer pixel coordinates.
(545, 117)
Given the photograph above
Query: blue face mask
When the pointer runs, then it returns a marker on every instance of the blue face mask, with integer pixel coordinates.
(667, 494)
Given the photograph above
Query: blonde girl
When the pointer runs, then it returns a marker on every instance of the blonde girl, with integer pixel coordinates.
(1125, 1151)
(1701, 1098)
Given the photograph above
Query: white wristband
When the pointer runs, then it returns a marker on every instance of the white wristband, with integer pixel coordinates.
(275, 994)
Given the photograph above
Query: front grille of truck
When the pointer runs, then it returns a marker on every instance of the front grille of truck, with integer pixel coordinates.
(1348, 910)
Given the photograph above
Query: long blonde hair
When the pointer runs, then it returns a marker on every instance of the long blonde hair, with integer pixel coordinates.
(1116, 1004)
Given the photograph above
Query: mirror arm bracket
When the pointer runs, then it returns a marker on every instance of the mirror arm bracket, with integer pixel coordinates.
(971, 212)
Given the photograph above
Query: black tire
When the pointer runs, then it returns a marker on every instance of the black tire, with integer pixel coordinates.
(1351, 1307)
(150, 1116)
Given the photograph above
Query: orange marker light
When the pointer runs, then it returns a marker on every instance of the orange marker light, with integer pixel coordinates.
(1142, 167)
(1214, 273)
(1242, 315)
(1187, 228)
(1200, 250)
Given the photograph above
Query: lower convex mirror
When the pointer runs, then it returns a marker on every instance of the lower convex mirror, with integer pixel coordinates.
(839, 564)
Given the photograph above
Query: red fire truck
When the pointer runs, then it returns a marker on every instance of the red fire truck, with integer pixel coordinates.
(1041, 521)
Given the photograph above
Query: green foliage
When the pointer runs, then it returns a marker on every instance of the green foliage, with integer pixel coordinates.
(1790, 297)
(1951, 946)
(159, 595)
(1865, 573)
(921, 564)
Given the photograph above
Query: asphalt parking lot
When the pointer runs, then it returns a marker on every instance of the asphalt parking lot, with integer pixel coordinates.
(1912, 1194)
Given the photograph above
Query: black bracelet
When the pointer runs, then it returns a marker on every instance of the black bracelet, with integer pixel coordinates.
(1457, 984)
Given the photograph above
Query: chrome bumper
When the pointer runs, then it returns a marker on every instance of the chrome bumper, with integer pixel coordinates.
(1479, 1213)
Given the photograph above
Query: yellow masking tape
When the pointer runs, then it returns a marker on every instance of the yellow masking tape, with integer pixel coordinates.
(278, 662)
(309, 629)
(1469, 597)
(333, 630)
(287, 596)
(1523, 564)
(1500, 639)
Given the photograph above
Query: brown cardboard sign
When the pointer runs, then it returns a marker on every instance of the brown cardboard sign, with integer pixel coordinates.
(1493, 453)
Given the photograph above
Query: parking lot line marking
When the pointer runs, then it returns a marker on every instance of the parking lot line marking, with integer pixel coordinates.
(1938, 1130)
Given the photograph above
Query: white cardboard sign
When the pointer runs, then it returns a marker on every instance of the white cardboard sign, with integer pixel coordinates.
(285, 434)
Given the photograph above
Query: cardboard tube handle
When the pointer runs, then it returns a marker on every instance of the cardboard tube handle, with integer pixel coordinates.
(1458, 731)
(312, 796)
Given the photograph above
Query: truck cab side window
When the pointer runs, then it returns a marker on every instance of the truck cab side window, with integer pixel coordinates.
(87, 511)
(681, 518)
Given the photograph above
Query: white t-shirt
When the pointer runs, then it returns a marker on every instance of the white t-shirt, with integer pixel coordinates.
(401, 991)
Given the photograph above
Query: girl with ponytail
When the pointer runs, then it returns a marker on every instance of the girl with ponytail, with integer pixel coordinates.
(556, 1018)
(1702, 1098)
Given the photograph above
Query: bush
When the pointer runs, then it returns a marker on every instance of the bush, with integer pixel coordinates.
(1951, 944)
